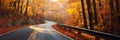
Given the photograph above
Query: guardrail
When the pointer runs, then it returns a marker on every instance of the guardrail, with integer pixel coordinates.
(97, 34)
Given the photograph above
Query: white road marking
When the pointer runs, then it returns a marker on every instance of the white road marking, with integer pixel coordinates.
(33, 35)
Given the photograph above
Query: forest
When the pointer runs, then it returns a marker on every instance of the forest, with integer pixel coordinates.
(98, 15)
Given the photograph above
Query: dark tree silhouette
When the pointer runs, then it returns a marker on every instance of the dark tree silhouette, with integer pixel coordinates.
(90, 14)
(95, 12)
(84, 14)
(111, 14)
(117, 5)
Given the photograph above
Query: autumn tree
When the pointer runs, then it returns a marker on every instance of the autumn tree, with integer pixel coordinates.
(75, 12)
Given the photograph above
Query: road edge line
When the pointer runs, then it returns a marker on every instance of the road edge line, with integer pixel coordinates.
(62, 34)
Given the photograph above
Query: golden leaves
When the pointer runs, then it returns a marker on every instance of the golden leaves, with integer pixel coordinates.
(74, 8)
(71, 10)
(71, 1)
(75, 5)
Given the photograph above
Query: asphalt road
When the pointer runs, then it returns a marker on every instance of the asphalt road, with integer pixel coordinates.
(21, 34)
(35, 32)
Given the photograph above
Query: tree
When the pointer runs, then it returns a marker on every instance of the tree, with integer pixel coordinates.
(84, 14)
(117, 5)
(26, 10)
(90, 14)
(95, 12)
(75, 10)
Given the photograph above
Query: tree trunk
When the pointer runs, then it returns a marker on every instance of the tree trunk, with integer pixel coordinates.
(90, 14)
(95, 12)
(21, 7)
(84, 14)
(112, 15)
(117, 5)
(26, 12)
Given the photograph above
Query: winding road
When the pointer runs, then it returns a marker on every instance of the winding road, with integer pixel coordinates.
(35, 32)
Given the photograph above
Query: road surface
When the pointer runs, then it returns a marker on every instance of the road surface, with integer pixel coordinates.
(21, 34)
(35, 32)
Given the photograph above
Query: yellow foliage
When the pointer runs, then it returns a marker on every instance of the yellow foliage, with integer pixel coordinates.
(72, 11)
(75, 5)
(74, 8)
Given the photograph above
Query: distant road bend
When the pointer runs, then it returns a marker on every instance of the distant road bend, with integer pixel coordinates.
(35, 32)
